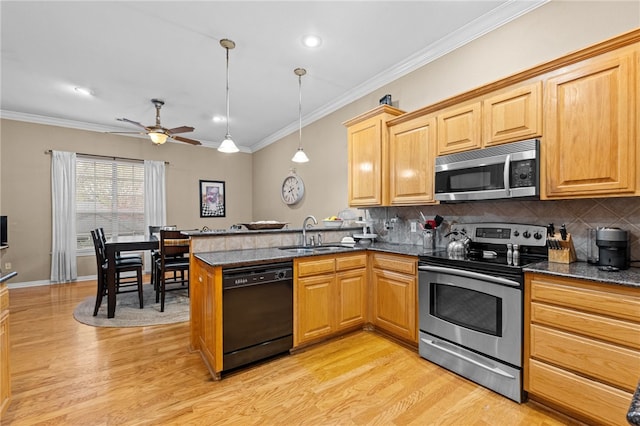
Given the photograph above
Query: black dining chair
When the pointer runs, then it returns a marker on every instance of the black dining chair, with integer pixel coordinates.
(123, 284)
(103, 237)
(174, 260)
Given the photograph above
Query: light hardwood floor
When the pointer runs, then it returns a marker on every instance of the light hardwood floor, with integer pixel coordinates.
(68, 373)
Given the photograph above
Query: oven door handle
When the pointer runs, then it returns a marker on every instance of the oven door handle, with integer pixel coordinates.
(495, 370)
(469, 274)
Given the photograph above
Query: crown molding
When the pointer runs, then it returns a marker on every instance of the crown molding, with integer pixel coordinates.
(498, 17)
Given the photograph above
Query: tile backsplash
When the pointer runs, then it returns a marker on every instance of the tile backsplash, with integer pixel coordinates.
(578, 215)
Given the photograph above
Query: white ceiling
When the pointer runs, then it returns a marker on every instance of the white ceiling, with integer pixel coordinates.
(129, 52)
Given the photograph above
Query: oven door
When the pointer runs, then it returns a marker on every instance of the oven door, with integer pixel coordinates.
(474, 310)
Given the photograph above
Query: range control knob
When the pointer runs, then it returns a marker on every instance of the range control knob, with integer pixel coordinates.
(537, 235)
(516, 233)
(526, 234)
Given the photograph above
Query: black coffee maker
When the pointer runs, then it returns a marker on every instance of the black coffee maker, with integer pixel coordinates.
(613, 248)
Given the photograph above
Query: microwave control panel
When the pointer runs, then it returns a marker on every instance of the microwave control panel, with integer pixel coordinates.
(523, 173)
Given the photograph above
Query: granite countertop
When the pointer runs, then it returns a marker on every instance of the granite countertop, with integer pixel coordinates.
(586, 271)
(233, 258)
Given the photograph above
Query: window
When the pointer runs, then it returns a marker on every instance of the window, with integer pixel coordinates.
(109, 194)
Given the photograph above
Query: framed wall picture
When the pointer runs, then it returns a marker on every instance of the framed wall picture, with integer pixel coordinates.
(212, 198)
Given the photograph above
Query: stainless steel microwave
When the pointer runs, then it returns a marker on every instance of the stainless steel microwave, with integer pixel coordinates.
(503, 171)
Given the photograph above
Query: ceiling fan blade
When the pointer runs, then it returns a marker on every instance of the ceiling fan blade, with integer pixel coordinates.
(181, 129)
(135, 123)
(187, 140)
(127, 133)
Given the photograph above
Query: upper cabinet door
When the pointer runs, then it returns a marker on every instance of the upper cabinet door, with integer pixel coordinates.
(589, 146)
(459, 129)
(368, 145)
(411, 161)
(365, 163)
(513, 115)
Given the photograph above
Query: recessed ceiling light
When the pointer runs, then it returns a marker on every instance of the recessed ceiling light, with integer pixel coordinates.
(218, 119)
(311, 41)
(83, 91)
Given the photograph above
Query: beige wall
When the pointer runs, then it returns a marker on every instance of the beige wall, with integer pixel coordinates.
(552, 30)
(26, 186)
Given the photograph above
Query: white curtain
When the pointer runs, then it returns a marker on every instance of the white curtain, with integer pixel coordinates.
(155, 202)
(63, 203)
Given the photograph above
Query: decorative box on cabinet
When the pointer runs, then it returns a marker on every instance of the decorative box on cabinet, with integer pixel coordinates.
(368, 146)
(411, 159)
(394, 295)
(591, 128)
(582, 346)
(329, 296)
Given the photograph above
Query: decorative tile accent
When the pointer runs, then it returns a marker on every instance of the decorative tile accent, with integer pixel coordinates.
(579, 215)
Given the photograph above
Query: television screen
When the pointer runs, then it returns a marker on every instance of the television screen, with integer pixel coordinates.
(3, 231)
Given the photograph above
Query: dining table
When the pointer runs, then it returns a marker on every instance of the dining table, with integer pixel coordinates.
(115, 245)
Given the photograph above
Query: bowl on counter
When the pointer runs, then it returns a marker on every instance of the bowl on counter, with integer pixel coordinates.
(265, 224)
(332, 223)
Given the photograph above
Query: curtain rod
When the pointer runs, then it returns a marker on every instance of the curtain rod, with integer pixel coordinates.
(105, 156)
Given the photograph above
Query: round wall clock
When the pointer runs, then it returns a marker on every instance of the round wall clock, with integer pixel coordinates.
(292, 189)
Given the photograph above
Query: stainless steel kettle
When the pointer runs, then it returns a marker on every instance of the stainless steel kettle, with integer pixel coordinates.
(458, 248)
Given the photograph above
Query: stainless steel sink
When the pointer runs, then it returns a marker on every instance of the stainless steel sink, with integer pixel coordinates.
(312, 249)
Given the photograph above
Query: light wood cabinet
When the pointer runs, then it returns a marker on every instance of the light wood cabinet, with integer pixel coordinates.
(205, 296)
(512, 115)
(411, 161)
(5, 371)
(503, 116)
(368, 145)
(582, 346)
(329, 296)
(591, 115)
(394, 295)
(460, 129)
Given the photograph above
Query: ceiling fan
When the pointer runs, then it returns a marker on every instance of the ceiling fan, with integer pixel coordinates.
(159, 134)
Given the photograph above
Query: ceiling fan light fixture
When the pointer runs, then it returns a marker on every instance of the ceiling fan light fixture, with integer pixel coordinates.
(227, 145)
(158, 138)
(300, 156)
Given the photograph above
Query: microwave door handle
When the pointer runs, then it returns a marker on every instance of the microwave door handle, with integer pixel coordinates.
(506, 174)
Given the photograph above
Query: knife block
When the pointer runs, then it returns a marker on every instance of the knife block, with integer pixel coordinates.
(566, 253)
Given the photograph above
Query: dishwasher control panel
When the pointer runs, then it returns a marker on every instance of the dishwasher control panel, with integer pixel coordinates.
(255, 275)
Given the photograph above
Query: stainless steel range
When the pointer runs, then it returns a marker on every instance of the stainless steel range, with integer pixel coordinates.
(471, 306)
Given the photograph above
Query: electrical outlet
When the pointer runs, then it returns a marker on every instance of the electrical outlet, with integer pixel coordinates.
(414, 227)
(7, 266)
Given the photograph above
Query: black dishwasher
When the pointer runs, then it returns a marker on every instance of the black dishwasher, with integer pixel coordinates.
(257, 313)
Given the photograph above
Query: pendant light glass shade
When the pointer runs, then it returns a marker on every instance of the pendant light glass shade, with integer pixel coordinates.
(158, 138)
(227, 144)
(300, 156)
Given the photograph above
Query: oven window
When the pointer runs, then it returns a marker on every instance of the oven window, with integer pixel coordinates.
(467, 308)
(472, 179)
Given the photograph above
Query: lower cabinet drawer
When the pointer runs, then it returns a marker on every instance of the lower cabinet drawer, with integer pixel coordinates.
(609, 363)
(586, 398)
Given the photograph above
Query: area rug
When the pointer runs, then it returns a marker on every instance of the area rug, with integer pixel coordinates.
(129, 314)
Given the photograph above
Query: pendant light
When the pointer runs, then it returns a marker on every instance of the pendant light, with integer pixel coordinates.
(300, 156)
(227, 144)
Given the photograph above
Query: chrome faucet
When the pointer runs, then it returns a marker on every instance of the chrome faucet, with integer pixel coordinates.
(305, 225)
